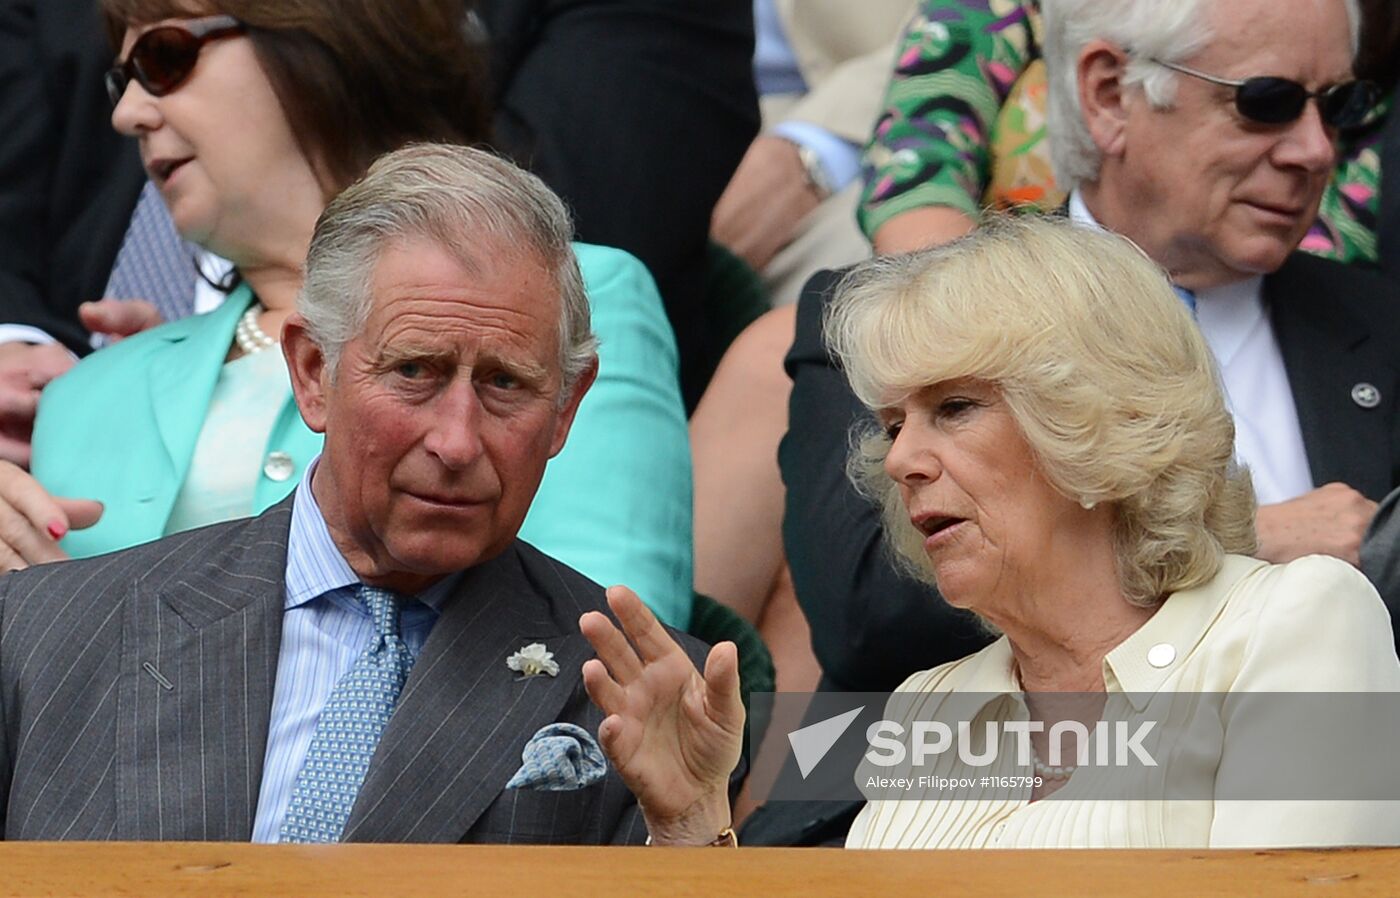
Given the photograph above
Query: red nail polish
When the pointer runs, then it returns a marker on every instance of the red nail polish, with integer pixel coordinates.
(57, 530)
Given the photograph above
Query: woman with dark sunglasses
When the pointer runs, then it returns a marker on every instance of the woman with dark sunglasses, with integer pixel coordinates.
(250, 118)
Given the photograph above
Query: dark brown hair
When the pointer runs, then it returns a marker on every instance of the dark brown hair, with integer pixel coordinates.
(356, 78)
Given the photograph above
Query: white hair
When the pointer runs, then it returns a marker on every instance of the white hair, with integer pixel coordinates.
(1168, 30)
(463, 199)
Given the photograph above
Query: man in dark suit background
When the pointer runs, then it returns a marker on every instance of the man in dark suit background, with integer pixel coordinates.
(360, 662)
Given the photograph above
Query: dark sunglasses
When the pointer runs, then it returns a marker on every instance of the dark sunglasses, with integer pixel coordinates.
(1277, 101)
(162, 58)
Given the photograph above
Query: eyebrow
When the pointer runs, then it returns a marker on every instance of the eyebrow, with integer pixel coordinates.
(392, 356)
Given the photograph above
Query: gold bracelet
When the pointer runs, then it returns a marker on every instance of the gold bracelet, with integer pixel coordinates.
(727, 838)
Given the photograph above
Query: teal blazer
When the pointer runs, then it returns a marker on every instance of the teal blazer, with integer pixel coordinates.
(615, 504)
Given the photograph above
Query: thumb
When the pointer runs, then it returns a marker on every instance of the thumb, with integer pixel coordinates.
(119, 317)
(722, 686)
(82, 513)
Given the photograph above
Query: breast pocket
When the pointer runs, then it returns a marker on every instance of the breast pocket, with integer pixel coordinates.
(534, 817)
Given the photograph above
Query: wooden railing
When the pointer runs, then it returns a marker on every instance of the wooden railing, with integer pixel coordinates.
(385, 871)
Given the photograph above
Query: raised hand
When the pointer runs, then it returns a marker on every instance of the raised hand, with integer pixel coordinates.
(673, 736)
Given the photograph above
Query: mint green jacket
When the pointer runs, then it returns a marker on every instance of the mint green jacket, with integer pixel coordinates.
(121, 428)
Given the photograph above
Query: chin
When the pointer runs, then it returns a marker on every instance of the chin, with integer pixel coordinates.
(437, 555)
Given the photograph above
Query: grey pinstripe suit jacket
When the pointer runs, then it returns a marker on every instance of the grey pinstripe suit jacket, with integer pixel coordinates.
(136, 687)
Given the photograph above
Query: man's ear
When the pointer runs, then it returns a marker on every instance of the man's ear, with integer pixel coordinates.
(566, 414)
(307, 366)
(1103, 98)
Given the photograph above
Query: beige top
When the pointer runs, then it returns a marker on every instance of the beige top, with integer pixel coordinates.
(1314, 625)
(845, 51)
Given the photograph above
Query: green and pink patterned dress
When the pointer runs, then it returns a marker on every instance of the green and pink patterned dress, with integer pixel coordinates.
(964, 126)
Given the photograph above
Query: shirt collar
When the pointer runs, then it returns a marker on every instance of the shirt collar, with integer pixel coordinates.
(314, 563)
(1079, 213)
(1139, 666)
(1181, 623)
(1228, 314)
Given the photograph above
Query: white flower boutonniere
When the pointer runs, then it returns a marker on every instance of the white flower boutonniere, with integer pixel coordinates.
(533, 660)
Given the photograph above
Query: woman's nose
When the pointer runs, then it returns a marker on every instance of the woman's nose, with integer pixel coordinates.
(136, 112)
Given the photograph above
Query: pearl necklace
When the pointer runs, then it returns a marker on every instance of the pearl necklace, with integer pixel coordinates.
(249, 337)
(1045, 771)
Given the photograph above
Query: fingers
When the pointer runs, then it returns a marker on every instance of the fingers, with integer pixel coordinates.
(641, 626)
(32, 521)
(119, 317)
(602, 688)
(15, 450)
(81, 513)
(18, 404)
(611, 646)
(722, 699)
(47, 362)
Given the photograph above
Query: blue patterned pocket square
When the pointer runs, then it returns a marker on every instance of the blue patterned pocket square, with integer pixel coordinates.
(559, 758)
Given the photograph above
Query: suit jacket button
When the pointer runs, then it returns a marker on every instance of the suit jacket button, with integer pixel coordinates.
(1366, 395)
(279, 466)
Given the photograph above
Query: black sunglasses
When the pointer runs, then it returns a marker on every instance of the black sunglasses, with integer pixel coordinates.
(1277, 101)
(162, 58)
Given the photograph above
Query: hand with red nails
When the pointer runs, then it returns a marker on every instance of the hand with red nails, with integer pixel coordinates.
(32, 522)
(673, 736)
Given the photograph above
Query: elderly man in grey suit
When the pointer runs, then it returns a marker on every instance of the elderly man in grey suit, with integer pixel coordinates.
(368, 660)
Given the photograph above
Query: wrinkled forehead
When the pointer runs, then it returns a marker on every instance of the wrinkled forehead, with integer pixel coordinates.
(429, 293)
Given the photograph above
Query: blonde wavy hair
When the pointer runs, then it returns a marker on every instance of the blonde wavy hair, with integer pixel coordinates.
(1100, 365)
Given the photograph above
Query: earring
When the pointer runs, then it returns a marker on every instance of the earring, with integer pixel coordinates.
(1087, 504)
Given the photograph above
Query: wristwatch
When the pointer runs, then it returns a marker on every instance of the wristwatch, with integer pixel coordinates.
(813, 170)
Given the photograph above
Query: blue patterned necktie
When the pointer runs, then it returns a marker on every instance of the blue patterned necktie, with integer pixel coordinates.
(349, 728)
(154, 263)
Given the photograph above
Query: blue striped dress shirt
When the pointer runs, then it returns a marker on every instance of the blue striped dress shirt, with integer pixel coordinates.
(323, 631)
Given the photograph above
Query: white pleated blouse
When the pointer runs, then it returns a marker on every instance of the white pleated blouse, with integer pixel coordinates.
(1313, 625)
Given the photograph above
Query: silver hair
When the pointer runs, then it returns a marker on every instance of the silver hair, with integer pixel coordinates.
(1169, 30)
(461, 198)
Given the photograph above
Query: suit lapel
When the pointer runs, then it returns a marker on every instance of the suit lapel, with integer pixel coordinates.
(1329, 353)
(198, 665)
(457, 734)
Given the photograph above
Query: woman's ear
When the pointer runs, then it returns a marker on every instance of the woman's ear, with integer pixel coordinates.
(1103, 96)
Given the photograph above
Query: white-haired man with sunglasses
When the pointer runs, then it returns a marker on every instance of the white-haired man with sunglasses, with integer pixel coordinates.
(1205, 131)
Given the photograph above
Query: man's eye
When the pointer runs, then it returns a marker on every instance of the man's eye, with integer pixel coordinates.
(503, 381)
(410, 370)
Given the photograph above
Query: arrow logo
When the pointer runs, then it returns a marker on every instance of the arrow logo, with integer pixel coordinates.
(811, 743)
